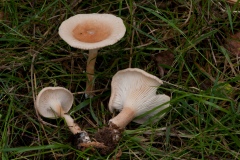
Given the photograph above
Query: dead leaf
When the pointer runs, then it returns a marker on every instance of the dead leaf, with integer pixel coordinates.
(1, 15)
(233, 44)
(163, 58)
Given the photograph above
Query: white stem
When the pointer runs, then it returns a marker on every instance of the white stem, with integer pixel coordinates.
(74, 128)
(92, 55)
(123, 118)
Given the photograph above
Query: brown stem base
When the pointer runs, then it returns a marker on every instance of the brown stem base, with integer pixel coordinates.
(110, 137)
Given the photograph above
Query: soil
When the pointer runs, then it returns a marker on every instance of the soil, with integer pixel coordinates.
(110, 137)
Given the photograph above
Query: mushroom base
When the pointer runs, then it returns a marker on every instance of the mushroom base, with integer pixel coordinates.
(110, 137)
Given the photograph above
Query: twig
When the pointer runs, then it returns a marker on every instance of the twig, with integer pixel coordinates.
(133, 33)
(181, 87)
(92, 144)
(99, 90)
(189, 15)
(213, 55)
(161, 132)
(9, 67)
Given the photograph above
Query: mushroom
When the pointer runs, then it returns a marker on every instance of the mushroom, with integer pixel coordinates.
(54, 102)
(91, 32)
(133, 94)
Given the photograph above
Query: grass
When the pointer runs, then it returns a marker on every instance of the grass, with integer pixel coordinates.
(202, 78)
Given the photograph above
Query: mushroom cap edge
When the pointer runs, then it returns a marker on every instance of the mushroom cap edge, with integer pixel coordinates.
(69, 24)
(46, 111)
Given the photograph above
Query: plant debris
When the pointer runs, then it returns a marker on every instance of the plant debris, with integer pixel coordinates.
(81, 144)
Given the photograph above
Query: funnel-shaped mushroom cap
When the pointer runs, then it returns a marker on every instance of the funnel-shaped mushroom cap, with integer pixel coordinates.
(50, 99)
(92, 31)
(136, 89)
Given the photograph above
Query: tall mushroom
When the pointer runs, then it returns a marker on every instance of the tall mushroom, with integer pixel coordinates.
(133, 94)
(91, 32)
(54, 102)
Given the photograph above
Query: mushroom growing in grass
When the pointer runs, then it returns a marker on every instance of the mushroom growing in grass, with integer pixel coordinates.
(133, 93)
(91, 32)
(55, 102)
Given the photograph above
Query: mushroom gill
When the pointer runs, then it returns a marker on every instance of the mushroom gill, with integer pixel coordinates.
(133, 94)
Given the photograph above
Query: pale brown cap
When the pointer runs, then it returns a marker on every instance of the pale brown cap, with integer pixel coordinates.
(136, 89)
(50, 99)
(92, 31)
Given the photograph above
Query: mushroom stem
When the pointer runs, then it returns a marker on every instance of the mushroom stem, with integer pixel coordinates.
(123, 118)
(80, 135)
(74, 128)
(90, 71)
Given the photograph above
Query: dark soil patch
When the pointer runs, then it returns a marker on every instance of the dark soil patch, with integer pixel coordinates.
(110, 137)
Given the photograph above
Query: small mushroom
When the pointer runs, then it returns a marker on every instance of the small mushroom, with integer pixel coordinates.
(133, 94)
(54, 102)
(91, 32)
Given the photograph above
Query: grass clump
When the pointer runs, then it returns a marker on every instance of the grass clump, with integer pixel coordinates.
(200, 75)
